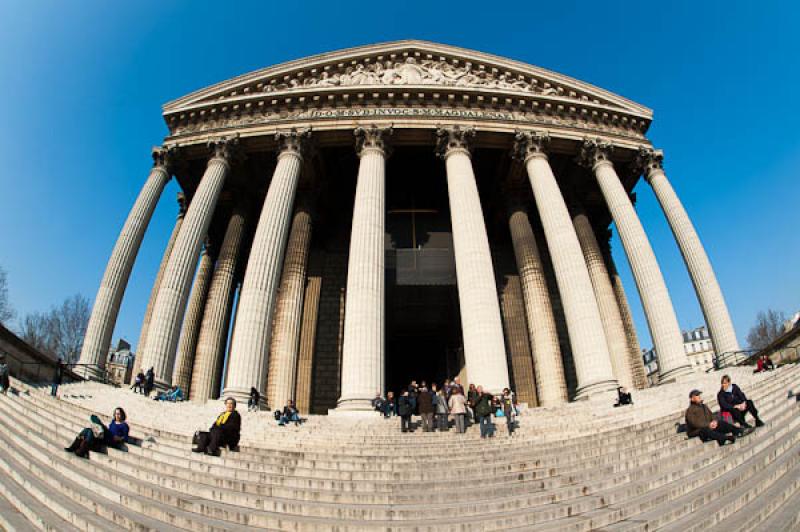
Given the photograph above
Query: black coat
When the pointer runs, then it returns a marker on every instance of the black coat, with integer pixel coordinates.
(231, 428)
(728, 400)
(403, 406)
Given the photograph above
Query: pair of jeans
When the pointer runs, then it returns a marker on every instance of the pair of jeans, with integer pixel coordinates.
(286, 419)
(459, 418)
(405, 423)
(510, 423)
(54, 389)
(485, 423)
(441, 422)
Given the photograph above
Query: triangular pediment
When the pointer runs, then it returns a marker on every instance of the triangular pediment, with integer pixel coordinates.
(406, 65)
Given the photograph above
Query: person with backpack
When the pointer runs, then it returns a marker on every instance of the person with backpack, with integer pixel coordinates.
(138, 383)
(483, 412)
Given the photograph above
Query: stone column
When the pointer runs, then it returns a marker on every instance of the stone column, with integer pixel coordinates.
(208, 361)
(586, 336)
(289, 312)
(363, 349)
(248, 359)
(308, 335)
(115, 279)
(168, 311)
(658, 309)
(720, 327)
(634, 348)
(613, 326)
(551, 386)
(137, 364)
(520, 358)
(484, 346)
(190, 331)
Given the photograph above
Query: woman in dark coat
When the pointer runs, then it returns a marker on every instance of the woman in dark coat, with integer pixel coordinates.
(224, 431)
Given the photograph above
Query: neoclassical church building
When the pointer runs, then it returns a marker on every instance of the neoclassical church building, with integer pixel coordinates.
(409, 210)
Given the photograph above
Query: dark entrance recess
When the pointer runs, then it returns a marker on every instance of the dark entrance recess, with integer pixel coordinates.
(423, 327)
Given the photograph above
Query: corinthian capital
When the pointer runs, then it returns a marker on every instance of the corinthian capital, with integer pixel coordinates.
(224, 148)
(294, 141)
(594, 152)
(164, 157)
(453, 139)
(372, 138)
(529, 144)
(648, 161)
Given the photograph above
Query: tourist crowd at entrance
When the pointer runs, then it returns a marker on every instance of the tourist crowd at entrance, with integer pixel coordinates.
(438, 406)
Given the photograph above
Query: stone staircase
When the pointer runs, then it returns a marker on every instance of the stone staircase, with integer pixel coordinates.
(582, 466)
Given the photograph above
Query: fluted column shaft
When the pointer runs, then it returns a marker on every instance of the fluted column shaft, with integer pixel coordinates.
(551, 386)
(663, 324)
(208, 361)
(247, 364)
(308, 335)
(363, 348)
(481, 326)
(190, 330)
(137, 364)
(289, 313)
(634, 348)
(118, 270)
(168, 311)
(613, 326)
(712, 302)
(586, 335)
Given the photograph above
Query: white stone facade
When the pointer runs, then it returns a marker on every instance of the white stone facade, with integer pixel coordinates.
(519, 148)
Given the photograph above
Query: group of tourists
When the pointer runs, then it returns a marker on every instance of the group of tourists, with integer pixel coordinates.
(438, 406)
(730, 424)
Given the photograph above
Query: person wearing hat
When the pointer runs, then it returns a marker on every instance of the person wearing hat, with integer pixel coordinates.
(701, 422)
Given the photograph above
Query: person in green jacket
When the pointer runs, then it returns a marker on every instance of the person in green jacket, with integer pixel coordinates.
(483, 412)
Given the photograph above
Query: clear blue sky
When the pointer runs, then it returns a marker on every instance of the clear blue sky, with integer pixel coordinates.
(83, 83)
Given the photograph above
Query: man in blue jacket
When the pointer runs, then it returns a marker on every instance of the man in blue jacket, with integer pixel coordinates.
(732, 399)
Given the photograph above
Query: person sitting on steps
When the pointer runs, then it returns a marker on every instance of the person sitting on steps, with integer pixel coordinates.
(764, 363)
(732, 400)
(290, 414)
(97, 434)
(224, 431)
(252, 403)
(623, 397)
(700, 422)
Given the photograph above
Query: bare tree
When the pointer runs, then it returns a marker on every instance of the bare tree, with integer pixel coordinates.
(59, 331)
(6, 312)
(768, 326)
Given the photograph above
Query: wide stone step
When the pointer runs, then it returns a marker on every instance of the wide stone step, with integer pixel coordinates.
(21, 505)
(786, 518)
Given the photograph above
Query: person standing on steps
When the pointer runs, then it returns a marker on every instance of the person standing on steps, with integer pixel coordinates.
(426, 410)
(4, 375)
(149, 382)
(483, 412)
(507, 402)
(138, 383)
(413, 391)
(732, 400)
(458, 408)
(442, 410)
(57, 376)
(225, 430)
(472, 398)
(404, 410)
(255, 397)
(700, 423)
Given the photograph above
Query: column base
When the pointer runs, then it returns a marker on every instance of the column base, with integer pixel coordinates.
(355, 404)
(90, 373)
(675, 374)
(584, 392)
(241, 396)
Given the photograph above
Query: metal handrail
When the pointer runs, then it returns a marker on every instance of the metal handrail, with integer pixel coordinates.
(100, 371)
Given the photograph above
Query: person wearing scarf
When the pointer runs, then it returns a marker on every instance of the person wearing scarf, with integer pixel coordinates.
(224, 431)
